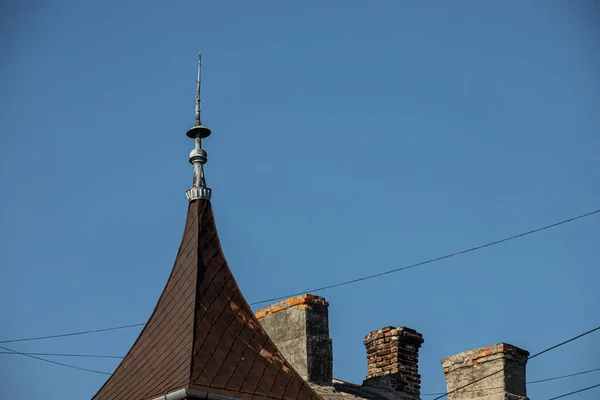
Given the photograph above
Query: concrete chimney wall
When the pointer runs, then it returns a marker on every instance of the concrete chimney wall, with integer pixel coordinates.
(299, 327)
(468, 366)
(392, 360)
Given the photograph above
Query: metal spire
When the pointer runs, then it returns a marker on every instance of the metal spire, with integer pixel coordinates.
(197, 110)
(198, 191)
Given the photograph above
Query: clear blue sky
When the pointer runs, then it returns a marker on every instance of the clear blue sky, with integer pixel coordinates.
(348, 138)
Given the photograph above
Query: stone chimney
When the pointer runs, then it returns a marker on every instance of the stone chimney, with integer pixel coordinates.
(392, 360)
(299, 326)
(507, 384)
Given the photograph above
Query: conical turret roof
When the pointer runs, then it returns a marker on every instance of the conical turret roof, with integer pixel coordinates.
(203, 340)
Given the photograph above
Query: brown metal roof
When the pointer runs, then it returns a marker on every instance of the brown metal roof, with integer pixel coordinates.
(202, 334)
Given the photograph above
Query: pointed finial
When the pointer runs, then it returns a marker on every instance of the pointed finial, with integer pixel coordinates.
(197, 110)
(198, 191)
(198, 130)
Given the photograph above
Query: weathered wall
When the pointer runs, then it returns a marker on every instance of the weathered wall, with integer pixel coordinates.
(392, 360)
(299, 326)
(505, 360)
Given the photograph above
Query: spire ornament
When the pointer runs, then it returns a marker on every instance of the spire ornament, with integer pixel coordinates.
(198, 191)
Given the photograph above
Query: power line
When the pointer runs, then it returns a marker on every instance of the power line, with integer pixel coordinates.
(55, 362)
(364, 278)
(423, 394)
(84, 332)
(520, 362)
(577, 391)
(71, 333)
(345, 282)
(34, 356)
(529, 383)
(564, 376)
(62, 355)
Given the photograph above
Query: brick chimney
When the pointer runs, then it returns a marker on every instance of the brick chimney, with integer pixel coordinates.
(392, 360)
(299, 327)
(470, 365)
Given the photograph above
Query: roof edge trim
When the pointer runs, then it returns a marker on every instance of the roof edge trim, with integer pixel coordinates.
(183, 394)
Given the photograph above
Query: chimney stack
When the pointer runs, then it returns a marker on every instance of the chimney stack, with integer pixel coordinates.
(392, 359)
(299, 327)
(508, 383)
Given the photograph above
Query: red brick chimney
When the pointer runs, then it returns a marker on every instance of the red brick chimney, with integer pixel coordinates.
(392, 360)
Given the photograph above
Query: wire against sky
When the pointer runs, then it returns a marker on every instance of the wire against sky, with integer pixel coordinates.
(577, 391)
(342, 283)
(423, 394)
(55, 362)
(554, 378)
(72, 333)
(62, 355)
(521, 362)
(364, 278)
(565, 376)
(439, 397)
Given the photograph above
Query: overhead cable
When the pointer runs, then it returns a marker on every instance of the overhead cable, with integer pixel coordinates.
(61, 355)
(565, 376)
(55, 362)
(72, 333)
(576, 391)
(529, 383)
(437, 398)
(364, 278)
(472, 249)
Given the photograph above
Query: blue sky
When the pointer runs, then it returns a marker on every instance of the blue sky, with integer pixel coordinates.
(348, 138)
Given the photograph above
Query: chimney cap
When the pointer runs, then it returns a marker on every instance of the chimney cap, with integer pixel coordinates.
(481, 354)
(407, 334)
(301, 301)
